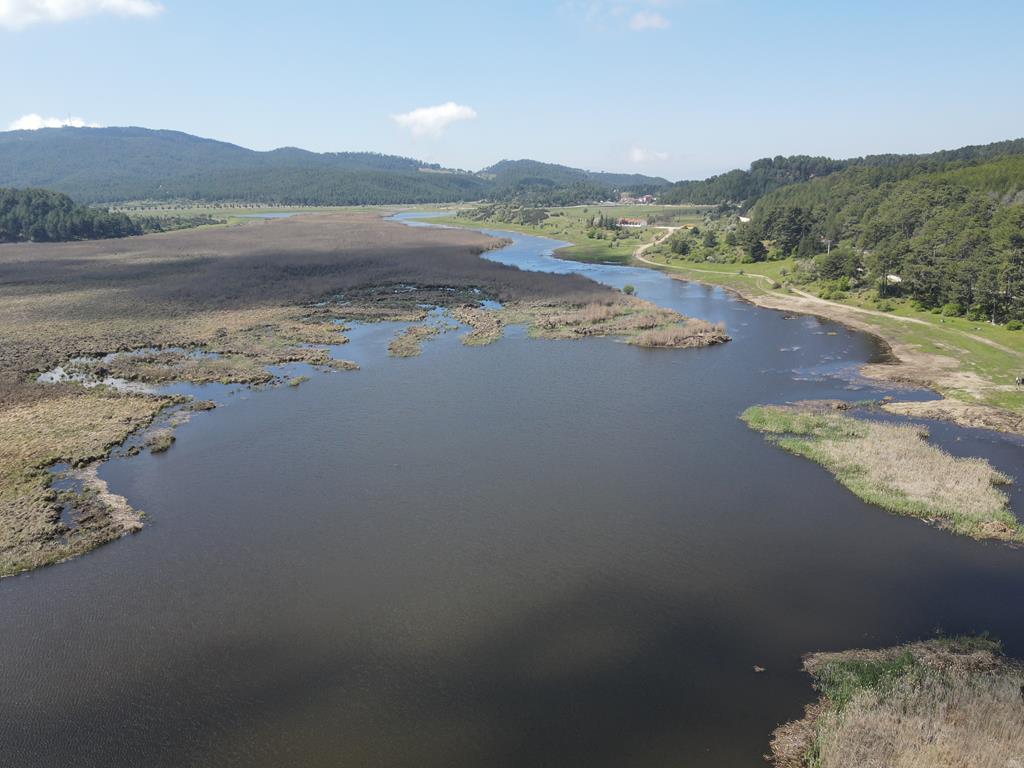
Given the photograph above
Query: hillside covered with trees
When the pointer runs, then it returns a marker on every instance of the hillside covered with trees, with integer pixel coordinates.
(943, 231)
(549, 185)
(947, 237)
(102, 165)
(744, 188)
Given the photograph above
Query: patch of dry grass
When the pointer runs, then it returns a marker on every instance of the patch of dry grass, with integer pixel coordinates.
(67, 423)
(639, 321)
(487, 325)
(947, 703)
(160, 441)
(895, 467)
(691, 333)
(409, 342)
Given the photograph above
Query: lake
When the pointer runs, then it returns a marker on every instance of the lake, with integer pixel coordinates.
(534, 553)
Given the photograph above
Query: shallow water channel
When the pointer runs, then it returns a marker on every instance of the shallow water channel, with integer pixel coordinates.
(531, 553)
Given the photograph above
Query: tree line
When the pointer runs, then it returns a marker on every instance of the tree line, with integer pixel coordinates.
(945, 234)
(40, 215)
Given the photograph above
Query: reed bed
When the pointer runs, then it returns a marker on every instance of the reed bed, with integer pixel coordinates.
(943, 703)
(895, 467)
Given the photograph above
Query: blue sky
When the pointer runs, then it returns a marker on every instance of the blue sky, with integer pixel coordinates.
(679, 88)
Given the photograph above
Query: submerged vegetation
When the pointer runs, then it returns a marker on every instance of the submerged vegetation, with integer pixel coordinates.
(940, 703)
(893, 466)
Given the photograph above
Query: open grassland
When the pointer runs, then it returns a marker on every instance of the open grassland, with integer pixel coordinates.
(943, 703)
(573, 224)
(222, 304)
(894, 466)
(969, 362)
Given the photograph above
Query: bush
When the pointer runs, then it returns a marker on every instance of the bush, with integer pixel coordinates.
(1014, 325)
(952, 310)
(885, 306)
(629, 290)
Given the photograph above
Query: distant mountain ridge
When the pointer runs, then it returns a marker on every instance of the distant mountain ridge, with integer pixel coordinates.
(744, 188)
(100, 165)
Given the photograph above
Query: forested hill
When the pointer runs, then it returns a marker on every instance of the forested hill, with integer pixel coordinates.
(744, 188)
(41, 216)
(96, 165)
(947, 231)
(547, 184)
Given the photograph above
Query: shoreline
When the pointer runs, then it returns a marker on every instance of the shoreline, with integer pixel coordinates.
(908, 365)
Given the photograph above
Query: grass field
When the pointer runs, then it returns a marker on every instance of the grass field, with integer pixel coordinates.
(230, 215)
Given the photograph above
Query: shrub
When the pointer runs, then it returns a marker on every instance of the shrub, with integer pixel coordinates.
(952, 309)
(1014, 325)
(629, 290)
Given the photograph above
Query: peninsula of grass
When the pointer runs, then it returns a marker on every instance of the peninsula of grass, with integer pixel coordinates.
(895, 467)
(942, 702)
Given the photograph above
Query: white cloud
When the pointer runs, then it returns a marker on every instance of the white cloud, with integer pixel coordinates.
(637, 15)
(18, 14)
(34, 122)
(431, 121)
(640, 155)
(642, 20)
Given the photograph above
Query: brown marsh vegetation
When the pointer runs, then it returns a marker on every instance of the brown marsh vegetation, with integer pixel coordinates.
(943, 703)
(641, 322)
(409, 342)
(895, 467)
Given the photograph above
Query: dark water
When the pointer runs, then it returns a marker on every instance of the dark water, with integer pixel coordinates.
(535, 553)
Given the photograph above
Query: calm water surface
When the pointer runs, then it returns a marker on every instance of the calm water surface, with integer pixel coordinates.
(535, 553)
